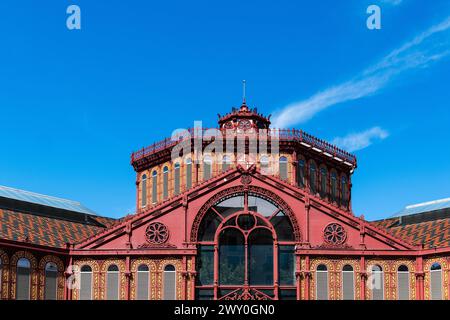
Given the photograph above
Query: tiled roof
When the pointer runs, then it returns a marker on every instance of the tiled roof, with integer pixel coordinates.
(49, 201)
(47, 231)
(432, 234)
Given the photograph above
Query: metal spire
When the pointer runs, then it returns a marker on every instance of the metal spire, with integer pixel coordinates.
(243, 91)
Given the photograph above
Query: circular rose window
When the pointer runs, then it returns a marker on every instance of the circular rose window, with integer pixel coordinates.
(157, 233)
(334, 234)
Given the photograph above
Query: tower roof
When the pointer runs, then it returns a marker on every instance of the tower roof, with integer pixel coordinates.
(231, 119)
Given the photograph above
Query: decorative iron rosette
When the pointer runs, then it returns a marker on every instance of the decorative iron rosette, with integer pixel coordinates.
(157, 233)
(334, 234)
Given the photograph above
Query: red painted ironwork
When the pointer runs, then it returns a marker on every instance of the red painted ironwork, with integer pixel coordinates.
(334, 234)
(157, 233)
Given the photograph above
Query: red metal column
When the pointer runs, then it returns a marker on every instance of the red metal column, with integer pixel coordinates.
(216, 270)
(307, 278)
(363, 274)
(128, 278)
(275, 269)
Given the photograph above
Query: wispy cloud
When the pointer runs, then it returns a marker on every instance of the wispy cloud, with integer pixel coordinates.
(392, 2)
(426, 48)
(361, 140)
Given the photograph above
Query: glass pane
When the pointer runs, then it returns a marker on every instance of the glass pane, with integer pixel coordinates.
(261, 206)
(283, 227)
(204, 294)
(205, 265)
(51, 276)
(231, 257)
(286, 265)
(260, 266)
(288, 294)
(229, 206)
(208, 226)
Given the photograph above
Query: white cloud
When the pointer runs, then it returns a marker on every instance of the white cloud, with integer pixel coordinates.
(393, 2)
(426, 48)
(360, 140)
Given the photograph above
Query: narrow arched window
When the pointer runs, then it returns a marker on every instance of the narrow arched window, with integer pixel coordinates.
(207, 167)
(226, 163)
(436, 282)
(143, 282)
(348, 283)
(323, 182)
(86, 283)
(165, 183)
(188, 173)
(334, 187)
(301, 173)
(283, 169)
(313, 178)
(112, 283)
(144, 191)
(51, 281)
(403, 282)
(376, 283)
(176, 189)
(169, 283)
(322, 282)
(154, 187)
(264, 163)
(344, 192)
(23, 279)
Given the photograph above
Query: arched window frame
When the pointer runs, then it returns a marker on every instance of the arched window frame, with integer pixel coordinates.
(144, 191)
(345, 191)
(377, 273)
(312, 174)
(334, 186)
(188, 173)
(322, 271)
(177, 179)
(226, 163)
(23, 269)
(207, 167)
(112, 278)
(165, 182)
(283, 168)
(154, 186)
(436, 290)
(140, 272)
(323, 173)
(47, 285)
(344, 273)
(264, 164)
(86, 273)
(403, 275)
(169, 293)
(301, 172)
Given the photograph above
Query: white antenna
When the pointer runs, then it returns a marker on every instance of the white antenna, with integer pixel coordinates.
(243, 91)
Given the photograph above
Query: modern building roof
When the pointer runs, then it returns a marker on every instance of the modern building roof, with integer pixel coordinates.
(49, 201)
(424, 207)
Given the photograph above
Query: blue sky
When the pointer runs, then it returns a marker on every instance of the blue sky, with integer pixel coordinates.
(75, 104)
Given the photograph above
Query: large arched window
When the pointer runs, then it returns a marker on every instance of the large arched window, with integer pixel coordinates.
(249, 241)
(226, 163)
(301, 173)
(177, 179)
(323, 182)
(51, 281)
(23, 279)
(144, 191)
(112, 283)
(344, 191)
(143, 282)
(165, 183)
(283, 168)
(322, 282)
(188, 173)
(376, 283)
(436, 282)
(207, 167)
(403, 282)
(348, 283)
(154, 187)
(169, 286)
(86, 283)
(312, 178)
